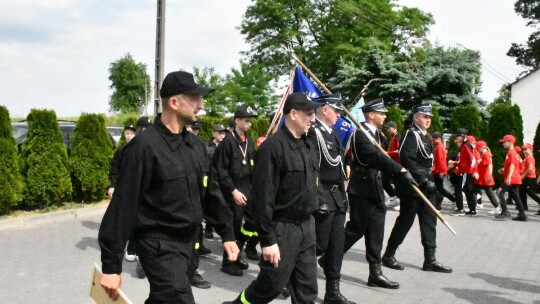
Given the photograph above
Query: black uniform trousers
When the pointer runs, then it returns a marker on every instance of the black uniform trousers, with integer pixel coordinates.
(470, 191)
(513, 193)
(330, 238)
(298, 266)
(457, 181)
(387, 184)
(410, 206)
(165, 263)
(528, 188)
(367, 216)
(442, 191)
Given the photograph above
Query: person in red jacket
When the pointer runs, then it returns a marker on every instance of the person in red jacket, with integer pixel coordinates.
(528, 176)
(467, 167)
(509, 200)
(456, 177)
(511, 180)
(485, 179)
(440, 169)
(393, 151)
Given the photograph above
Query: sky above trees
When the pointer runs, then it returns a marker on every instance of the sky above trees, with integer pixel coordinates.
(56, 54)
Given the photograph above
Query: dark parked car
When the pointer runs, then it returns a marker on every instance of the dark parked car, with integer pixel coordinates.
(20, 133)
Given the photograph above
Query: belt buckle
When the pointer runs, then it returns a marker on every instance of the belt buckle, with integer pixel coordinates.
(334, 188)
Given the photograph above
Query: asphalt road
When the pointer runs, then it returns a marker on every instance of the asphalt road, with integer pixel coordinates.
(50, 261)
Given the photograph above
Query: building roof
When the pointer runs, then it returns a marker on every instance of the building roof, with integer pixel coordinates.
(526, 75)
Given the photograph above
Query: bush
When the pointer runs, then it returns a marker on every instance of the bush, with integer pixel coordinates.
(467, 117)
(11, 182)
(436, 123)
(90, 159)
(536, 144)
(258, 128)
(44, 162)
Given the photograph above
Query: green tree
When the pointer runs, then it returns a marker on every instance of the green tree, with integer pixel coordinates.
(323, 32)
(448, 77)
(248, 85)
(90, 159)
(11, 182)
(467, 117)
(44, 162)
(131, 85)
(528, 55)
(536, 143)
(395, 114)
(436, 123)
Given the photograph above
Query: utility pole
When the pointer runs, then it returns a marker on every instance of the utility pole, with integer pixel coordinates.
(160, 53)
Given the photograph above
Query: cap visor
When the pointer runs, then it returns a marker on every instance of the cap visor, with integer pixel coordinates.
(199, 90)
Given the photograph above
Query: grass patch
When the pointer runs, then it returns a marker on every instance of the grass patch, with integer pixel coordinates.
(64, 206)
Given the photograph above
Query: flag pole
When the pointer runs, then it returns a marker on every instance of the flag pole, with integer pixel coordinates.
(376, 144)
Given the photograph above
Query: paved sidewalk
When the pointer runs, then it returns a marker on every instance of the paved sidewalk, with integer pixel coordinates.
(49, 260)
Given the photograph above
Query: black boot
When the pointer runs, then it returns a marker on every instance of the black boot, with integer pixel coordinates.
(240, 263)
(389, 259)
(377, 279)
(333, 295)
(251, 249)
(431, 264)
(229, 267)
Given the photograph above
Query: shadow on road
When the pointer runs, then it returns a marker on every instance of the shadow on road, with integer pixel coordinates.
(86, 242)
(478, 296)
(91, 225)
(507, 283)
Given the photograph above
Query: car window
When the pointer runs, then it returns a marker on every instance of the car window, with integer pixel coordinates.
(19, 130)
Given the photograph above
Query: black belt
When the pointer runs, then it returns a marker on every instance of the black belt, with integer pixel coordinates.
(331, 187)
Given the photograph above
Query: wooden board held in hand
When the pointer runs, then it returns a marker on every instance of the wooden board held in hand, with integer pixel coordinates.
(99, 295)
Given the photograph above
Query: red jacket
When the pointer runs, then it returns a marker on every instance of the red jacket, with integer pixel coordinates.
(439, 159)
(467, 161)
(393, 149)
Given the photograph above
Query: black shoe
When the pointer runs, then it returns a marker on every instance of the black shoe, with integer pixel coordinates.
(198, 282)
(232, 269)
(537, 213)
(471, 213)
(240, 263)
(203, 250)
(285, 293)
(520, 218)
(252, 254)
(333, 295)
(503, 215)
(391, 262)
(431, 264)
(377, 279)
(436, 267)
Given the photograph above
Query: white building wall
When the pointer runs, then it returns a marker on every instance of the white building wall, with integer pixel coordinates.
(526, 94)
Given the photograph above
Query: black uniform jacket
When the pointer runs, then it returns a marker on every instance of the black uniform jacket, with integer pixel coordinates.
(231, 172)
(415, 157)
(115, 165)
(158, 192)
(284, 183)
(367, 163)
(330, 176)
(211, 149)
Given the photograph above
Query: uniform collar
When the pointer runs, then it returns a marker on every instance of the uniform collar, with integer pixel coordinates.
(420, 130)
(293, 141)
(371, 127)
(173, 140)
(324, 126)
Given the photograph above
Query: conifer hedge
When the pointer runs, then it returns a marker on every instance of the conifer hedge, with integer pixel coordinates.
(536, 144)
(11, 182)
(394, 114)
(44, 162)
(467, 117)
(90, 159)
(436, 123)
